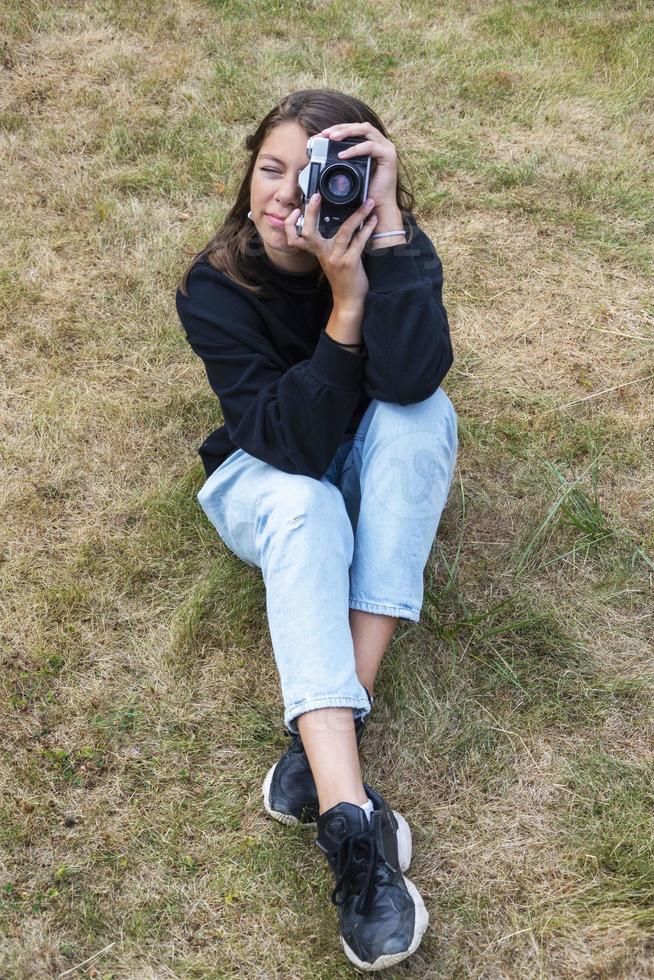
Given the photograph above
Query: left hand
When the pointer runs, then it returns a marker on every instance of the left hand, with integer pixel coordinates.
(383, 184)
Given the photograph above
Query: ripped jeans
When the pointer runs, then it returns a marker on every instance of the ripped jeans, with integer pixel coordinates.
(358, 538)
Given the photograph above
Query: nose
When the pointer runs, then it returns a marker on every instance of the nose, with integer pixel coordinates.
(288, 193)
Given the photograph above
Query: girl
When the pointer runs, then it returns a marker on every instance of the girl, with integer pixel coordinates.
(330, 473)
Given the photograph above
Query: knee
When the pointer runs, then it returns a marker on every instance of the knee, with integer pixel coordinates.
(445, 413)
(438, 405)
(302, 500)
(434, 414)
(445, 427)
(300, 496)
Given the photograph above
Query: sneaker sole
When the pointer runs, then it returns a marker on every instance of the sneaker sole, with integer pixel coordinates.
(404, 845)
(420, 925)
(285, 818)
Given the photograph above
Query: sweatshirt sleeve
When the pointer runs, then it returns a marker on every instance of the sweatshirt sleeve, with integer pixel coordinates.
(405, 328)
(291, 417)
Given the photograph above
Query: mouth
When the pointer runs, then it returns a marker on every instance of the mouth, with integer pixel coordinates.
(274, 220)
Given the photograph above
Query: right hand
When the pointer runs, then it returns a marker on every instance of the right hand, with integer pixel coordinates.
(340, 256)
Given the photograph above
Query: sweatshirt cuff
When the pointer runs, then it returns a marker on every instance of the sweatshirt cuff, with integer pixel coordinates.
(394, 266)
(391, 268)
(334, 366)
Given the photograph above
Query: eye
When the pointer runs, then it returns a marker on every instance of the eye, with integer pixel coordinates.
(269, 170)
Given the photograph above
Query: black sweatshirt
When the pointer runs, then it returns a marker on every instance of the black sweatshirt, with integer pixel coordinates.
(289, 393)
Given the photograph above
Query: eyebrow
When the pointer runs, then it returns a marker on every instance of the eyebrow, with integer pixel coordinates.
(271, 157)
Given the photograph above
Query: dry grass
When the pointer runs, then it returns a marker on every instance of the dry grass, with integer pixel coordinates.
(142, 704)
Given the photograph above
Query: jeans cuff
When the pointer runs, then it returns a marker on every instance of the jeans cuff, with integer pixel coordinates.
(332, 702)
(385, 609)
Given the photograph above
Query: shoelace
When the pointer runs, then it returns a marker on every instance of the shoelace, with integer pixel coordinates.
(347, 881)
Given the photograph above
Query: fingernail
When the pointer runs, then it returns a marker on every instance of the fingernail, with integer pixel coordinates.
(369, 202)
(315, 197)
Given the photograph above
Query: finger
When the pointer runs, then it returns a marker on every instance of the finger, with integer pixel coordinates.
(364, 235)
(355, 219)
(344, 235)
(311, 213)
(309, 225)
(339, 130)
(361, 239)
(291, 230)
(361, 149)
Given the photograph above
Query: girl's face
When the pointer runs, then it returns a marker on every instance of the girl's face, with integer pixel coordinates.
(274, 191)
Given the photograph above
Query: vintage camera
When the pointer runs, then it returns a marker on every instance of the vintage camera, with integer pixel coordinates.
(342, 184)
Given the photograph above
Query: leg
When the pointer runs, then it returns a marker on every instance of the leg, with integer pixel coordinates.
(307, 556)
(330, 744)
(296, 529)
(371, 634)
(305, 543)
(334, 761)
(395, 483)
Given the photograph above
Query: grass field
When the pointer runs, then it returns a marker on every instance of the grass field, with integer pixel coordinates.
(513, 726)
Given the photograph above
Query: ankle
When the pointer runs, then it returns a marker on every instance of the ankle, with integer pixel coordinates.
(357, 799)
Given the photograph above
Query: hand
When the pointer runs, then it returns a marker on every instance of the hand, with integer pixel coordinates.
(383, 184)
(340, 256)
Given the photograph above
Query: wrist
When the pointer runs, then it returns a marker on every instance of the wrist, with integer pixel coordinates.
(388, 219)
(348, 312)
(344, 325)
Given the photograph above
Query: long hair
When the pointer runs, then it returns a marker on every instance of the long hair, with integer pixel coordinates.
(231, 249)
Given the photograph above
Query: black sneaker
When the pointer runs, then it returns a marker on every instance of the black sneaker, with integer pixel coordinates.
(381, 913)
(289, 790)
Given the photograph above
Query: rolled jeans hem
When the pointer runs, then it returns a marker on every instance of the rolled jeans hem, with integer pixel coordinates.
(382, 609)
(361, 708)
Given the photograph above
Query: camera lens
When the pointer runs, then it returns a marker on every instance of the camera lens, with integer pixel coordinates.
(340, 184)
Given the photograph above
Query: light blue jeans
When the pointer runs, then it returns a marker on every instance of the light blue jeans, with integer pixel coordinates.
(358, 538)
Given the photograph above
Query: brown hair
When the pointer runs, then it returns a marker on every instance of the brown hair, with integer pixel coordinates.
(231, 248)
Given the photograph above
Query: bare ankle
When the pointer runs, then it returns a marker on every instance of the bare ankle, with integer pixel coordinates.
(360, 800)
(329, 740)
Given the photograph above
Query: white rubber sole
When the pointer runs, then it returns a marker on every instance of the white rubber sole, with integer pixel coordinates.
(420, 925)
(286, 818)
(404, 845)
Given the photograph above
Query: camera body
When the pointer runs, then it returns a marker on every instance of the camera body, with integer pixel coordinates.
(342, 184)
